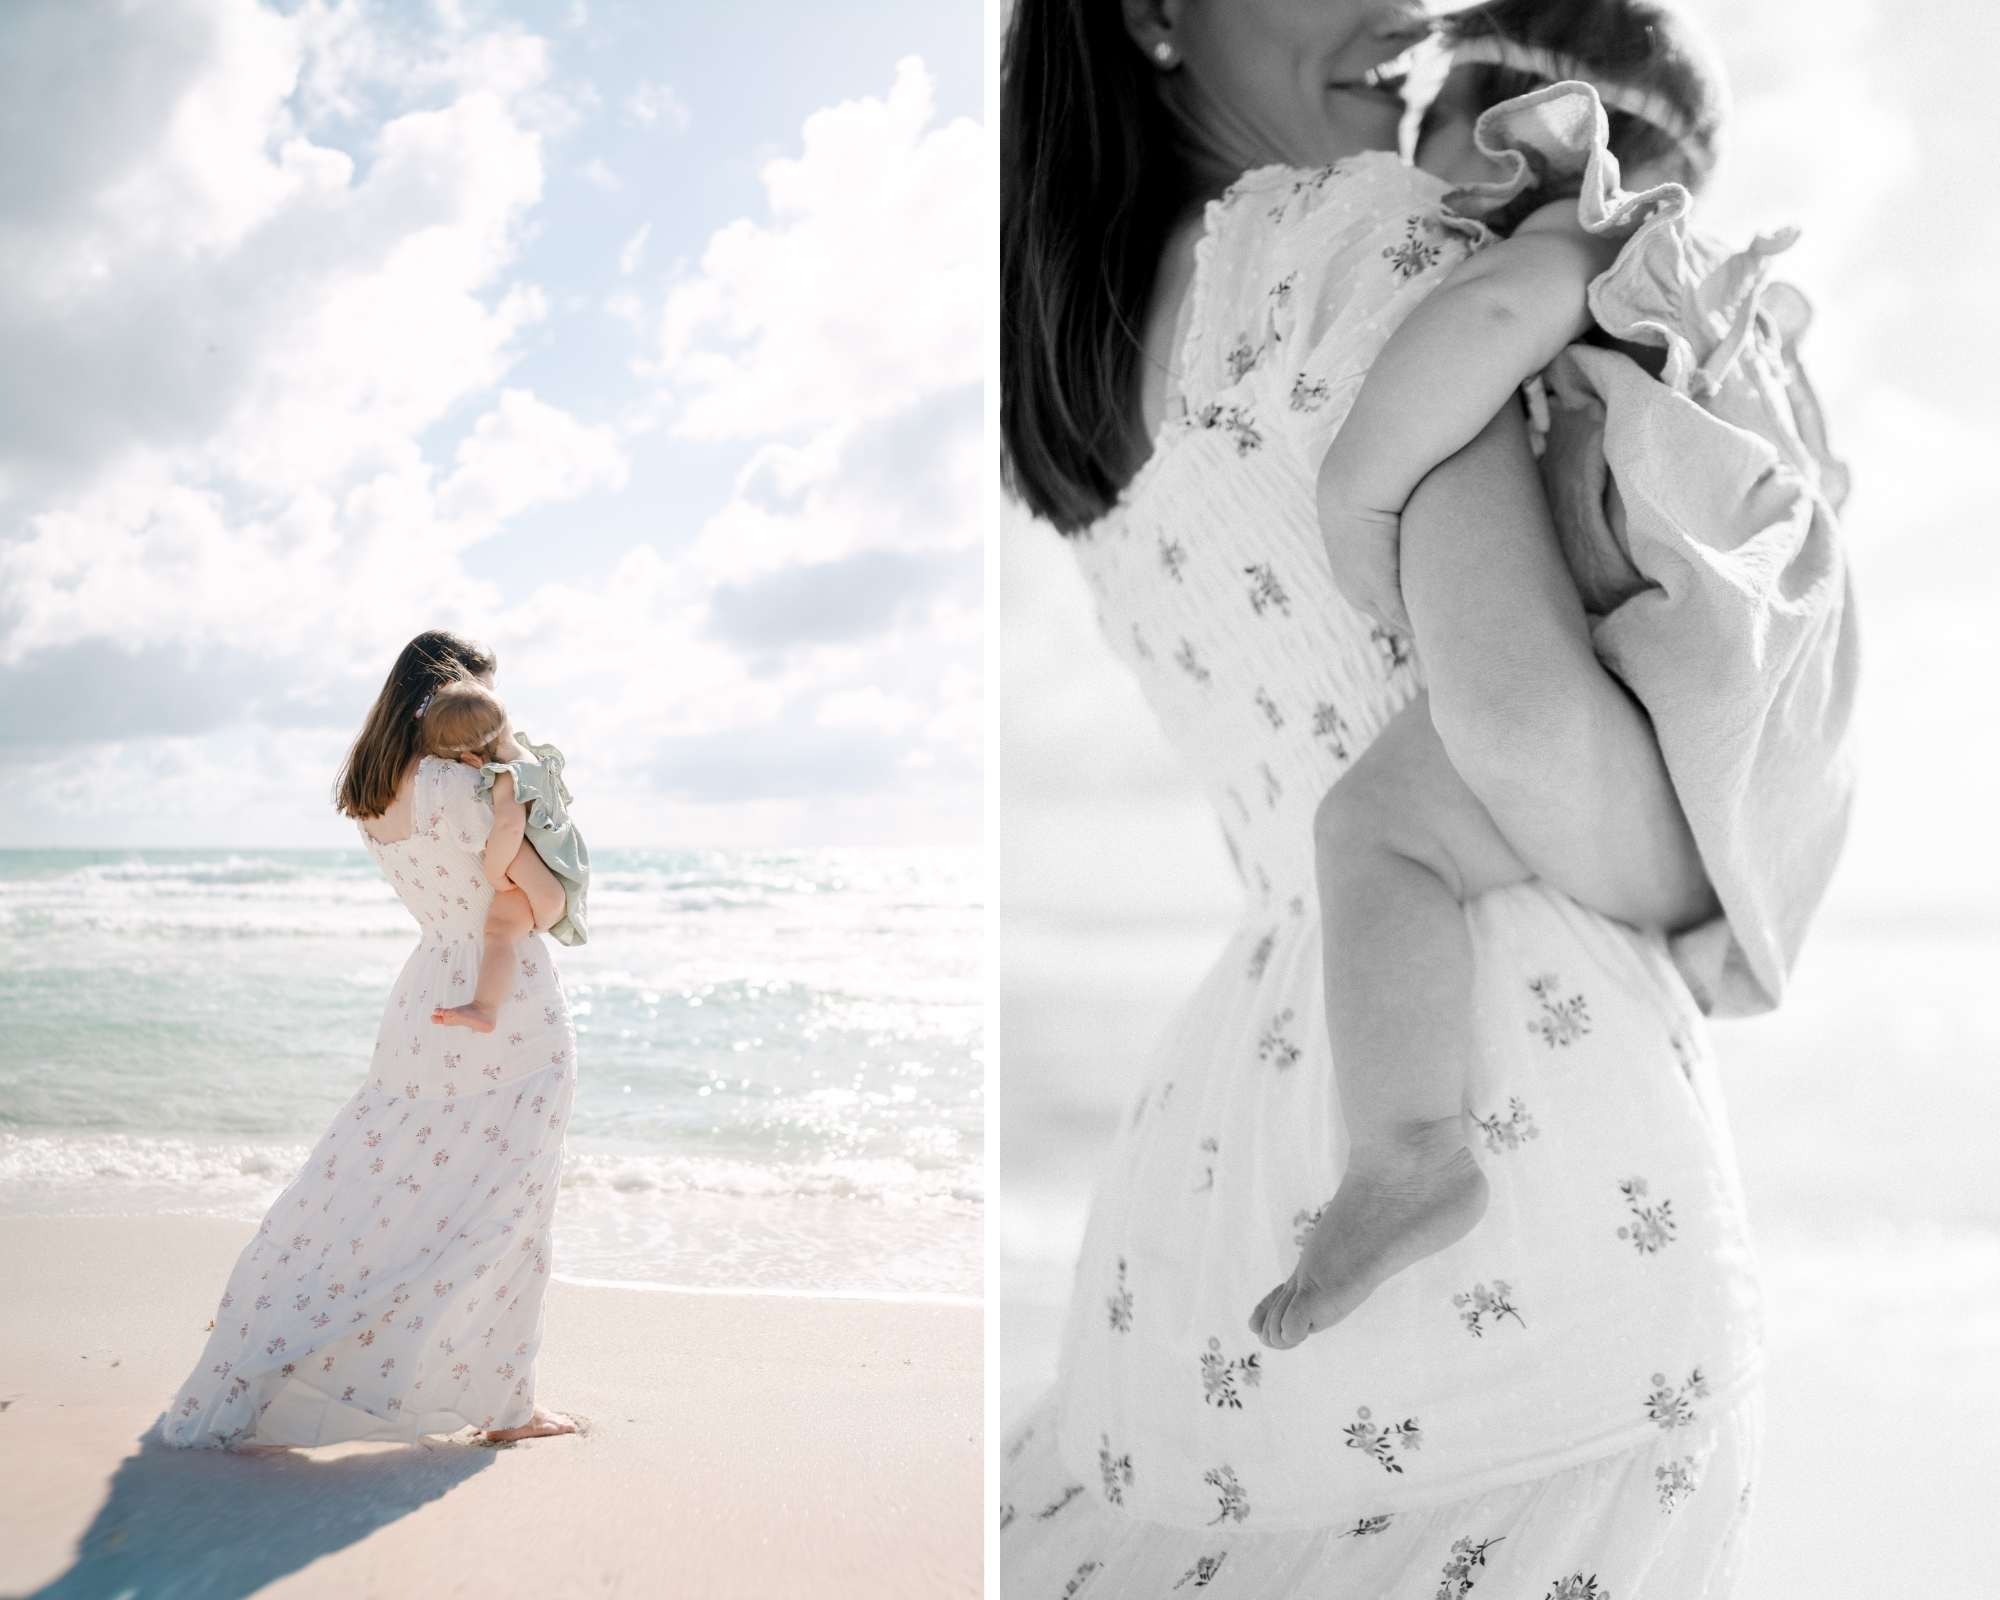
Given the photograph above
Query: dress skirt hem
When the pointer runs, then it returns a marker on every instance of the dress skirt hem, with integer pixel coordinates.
(1662, 1520)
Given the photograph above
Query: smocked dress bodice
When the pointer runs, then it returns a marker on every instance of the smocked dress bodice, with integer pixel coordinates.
(437, 871)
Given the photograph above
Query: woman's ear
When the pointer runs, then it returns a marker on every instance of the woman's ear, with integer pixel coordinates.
(1150, 25)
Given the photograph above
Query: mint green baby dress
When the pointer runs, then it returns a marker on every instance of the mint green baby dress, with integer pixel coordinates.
(539, 786)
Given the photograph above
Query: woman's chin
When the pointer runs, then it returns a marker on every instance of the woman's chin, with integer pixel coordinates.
(1362, 118)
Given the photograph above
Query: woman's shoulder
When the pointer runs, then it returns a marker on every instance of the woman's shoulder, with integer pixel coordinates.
(1279, 209)
(1289, 253)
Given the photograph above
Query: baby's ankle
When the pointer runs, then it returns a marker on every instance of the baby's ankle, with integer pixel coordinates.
(1411, 1144)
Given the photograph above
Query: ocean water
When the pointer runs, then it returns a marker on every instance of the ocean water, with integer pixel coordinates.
(779, 1078)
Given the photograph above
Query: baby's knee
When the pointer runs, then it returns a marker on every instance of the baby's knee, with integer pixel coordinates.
(511, 916)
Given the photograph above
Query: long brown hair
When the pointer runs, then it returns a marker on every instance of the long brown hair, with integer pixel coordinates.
(392, 737)
(1091, 179)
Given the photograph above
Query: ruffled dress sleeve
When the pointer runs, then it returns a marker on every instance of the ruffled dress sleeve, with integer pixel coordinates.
(455, 811)
(1740, 638)
(1300, 278)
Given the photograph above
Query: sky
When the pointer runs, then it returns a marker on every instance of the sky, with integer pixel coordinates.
(1870, 126)
(641, 341)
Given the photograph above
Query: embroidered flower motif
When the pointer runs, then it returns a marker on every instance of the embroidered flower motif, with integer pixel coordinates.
(1059, 1502)
(1078, 1580)
(1242, 359)
(1260, 957)
(1330, 725)
(1562, 1021)
(1190, 663)
(1219, 1375)
(1459, 1566)
(1139, 645)
(1203, 1572)
(1276, 1047)
(1651, 1229)
(1673, 1408)
(1366, 1526)
(1481, 1305)
(1280, 293)
(1516, 1131)
(1273, 789)
(1674, 1481)
(1116, 1471)
(1266, 592)
(1236, 421)
(1269, 707)
(1173, 557)
(1208, 1146)
(1309, 394)
(1391, 646)
(1235, 1503)
(1577, 1588)
(1381, 1444)
(1119, 1303)
(1303, 1223)
(1415, 252)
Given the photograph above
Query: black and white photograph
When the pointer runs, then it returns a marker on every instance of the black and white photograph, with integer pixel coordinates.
(1498, 897)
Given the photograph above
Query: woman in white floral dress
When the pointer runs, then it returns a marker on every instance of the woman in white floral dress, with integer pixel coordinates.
(395, 1288)
(1564, 1404)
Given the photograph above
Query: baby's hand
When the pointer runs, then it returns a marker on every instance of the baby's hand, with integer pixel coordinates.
(1365, 550)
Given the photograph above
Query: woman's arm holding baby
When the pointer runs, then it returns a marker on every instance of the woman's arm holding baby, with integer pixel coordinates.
(1495, 322)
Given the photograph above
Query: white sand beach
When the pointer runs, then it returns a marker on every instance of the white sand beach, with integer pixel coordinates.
(735, 1446)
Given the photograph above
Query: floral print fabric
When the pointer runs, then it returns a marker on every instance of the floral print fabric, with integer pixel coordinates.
(1664, 1521)
(1531, 1346)
(395, 1287)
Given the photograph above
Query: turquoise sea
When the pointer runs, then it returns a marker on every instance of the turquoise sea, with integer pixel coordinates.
(780, 1053)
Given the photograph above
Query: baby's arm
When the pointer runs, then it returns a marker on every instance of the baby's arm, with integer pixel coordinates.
(510, 830)
(1495, 322)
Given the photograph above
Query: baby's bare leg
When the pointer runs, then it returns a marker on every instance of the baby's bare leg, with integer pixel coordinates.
(509, 920)
(1401, 844)
(530, 874)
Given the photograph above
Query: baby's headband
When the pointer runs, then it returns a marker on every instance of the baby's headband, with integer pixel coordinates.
(424, 704)
(1646, 104)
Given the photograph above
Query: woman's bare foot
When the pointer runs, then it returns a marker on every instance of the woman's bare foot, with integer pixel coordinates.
(543, 1425)
(1400, 1201)
(478, 1018)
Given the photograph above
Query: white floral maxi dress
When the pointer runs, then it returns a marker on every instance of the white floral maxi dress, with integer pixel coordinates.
(1565, 1402)
(395, 1287)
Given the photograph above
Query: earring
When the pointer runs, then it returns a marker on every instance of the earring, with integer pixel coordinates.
(1163, 53)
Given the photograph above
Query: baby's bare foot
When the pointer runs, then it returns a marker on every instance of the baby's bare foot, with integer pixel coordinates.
(1399, 1202)
(475, 1016)
(544, 1424)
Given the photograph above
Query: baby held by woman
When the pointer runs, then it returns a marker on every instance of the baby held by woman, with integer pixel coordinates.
(1402, 841)
(539, 874)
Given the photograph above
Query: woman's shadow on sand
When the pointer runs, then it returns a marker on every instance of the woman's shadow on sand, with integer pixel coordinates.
(208, 1525)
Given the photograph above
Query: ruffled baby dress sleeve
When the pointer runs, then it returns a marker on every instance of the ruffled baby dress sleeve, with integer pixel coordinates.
(1740, 637)
(551, 832)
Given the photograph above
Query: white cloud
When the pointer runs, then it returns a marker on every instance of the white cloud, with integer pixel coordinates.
(635, 250)
(860, 296)
(266, 416)
(656, 103)
(523, 454)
